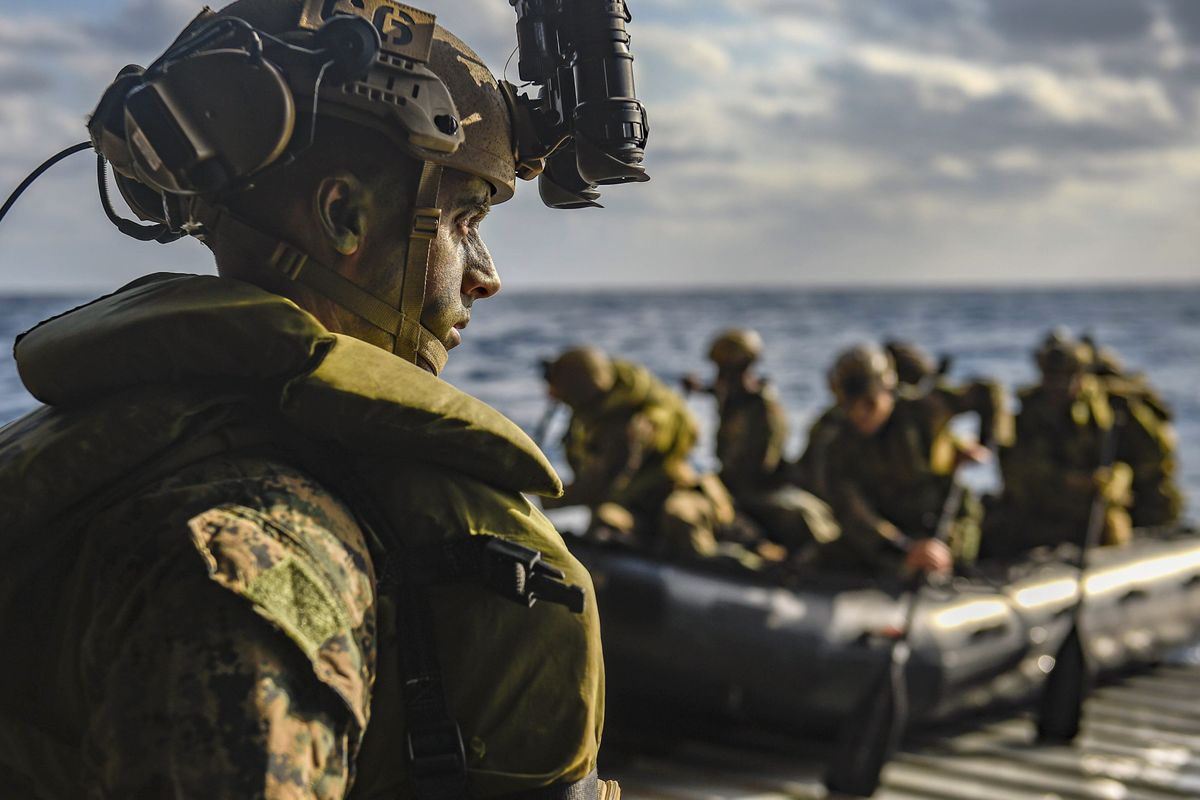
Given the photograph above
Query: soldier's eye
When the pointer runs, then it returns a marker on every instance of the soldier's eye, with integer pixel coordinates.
(469, 221)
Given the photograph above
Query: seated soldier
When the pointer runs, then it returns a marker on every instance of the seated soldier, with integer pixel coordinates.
(892, 466)
(1054, 470)
(1156, 497)
(627, 444)
(751, 436)
(915, 370)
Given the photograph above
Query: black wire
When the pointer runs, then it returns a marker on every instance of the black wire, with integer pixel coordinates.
(37, 173)
(208, 34)
(102, 185)
(161, 232)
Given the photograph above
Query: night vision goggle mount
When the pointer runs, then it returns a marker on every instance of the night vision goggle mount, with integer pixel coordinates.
(585, 127)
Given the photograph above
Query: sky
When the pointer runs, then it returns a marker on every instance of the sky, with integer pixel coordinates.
(793, 143)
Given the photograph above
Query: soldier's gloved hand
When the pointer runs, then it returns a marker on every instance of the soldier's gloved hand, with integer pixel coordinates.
(1115, 483)
(692, 383)
(971, 452)
(930, 556)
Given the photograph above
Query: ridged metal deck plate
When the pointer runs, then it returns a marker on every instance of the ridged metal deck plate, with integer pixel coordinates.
(1140, 741)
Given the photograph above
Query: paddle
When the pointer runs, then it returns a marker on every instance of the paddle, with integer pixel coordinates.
(1060, 707)
(873, 729)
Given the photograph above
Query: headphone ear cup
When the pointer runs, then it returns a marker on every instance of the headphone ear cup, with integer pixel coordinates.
(208, 122)
(146, 203)
(352, 44)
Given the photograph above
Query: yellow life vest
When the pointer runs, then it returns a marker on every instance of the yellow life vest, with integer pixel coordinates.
(174, 367)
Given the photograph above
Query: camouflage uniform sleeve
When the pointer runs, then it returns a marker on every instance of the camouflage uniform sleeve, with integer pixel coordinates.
(985, 398)
(811, 471)
(229, 653)
(873, 539)
(1147, 445)
(614, 453)
(201, 698)
(754, 444)
(1036, 477)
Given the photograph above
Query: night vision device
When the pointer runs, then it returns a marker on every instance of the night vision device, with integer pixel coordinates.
(586, 126)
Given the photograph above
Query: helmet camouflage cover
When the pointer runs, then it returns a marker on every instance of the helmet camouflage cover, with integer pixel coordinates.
(736, 346)
(913, 364)
(459, 85)
(1061, 354)
(861, 371)
(580, 373)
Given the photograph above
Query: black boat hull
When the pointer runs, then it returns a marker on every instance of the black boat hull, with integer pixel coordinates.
(713, 640)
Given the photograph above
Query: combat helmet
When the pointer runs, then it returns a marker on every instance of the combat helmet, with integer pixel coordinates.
(1061, 354)
(417, 84)
(913, 364)
(735, 347)
(861, 371)
(580, 375)
(1103, 361)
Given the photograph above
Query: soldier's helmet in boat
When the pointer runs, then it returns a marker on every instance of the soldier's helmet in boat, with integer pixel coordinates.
(1061, 354)
(861, 371)
(580, 374)
(913, 364)
(1101, 360)
(736, 346)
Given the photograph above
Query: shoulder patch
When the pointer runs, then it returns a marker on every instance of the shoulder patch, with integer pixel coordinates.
(254, 556)
(297, 601)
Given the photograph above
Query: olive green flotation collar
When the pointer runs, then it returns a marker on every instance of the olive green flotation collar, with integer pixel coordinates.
(226, 336)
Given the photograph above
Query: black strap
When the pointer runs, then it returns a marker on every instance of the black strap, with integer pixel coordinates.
(512, 571)
(433, 744)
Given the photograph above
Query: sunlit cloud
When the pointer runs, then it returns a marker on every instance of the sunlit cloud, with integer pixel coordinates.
(841, 142)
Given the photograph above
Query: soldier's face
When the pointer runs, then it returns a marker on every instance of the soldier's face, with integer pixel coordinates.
(460, 267)
(1061, 388)
(869, 413)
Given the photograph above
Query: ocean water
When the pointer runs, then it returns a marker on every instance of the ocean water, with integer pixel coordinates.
(988, 333)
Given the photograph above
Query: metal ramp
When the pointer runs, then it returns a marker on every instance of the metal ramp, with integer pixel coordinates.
(1140, 741)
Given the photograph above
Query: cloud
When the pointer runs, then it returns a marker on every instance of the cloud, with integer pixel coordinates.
(32, 130)
(37, 35)
(693, 55)
(792, 140)
(139, 23)
(1186, 15)
(1056, 21)
(21, 79)
(949, 83)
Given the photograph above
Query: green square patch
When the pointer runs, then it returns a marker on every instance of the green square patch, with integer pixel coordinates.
(296, 600)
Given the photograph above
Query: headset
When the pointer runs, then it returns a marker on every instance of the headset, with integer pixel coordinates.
(179, 129)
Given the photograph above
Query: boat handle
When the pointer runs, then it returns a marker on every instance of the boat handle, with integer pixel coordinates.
(990, 632)
(1132, 595)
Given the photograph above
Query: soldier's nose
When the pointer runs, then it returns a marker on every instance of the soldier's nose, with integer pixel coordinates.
(480, 280)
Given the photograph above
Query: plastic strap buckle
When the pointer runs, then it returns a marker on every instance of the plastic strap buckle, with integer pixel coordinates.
(288, 260)
(518, 573)
(425, 222)
(435, 750)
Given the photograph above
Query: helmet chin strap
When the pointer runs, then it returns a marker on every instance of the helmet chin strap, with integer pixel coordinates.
(410, 340)
(415, 342)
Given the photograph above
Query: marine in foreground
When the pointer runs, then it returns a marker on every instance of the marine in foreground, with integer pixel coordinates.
(262, 550)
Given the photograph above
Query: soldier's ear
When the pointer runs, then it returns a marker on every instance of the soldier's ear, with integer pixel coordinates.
(342, 210)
